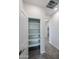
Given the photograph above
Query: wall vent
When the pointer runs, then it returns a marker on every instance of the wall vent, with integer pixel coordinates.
(51, 4)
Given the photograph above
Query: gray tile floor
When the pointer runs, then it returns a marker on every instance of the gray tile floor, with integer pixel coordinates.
(51, 53)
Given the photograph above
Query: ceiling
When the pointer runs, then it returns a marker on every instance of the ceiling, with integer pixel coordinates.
(41, 3)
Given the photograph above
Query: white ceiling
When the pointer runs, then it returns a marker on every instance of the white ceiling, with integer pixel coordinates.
(41, 3)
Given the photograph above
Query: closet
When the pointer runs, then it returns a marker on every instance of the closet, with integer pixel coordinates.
(33, 32)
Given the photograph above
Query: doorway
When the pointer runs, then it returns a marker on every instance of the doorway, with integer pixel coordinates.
(33, 37)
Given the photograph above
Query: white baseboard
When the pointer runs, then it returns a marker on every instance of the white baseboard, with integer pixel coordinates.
(50, 42)
(53, 44)
(42, 52)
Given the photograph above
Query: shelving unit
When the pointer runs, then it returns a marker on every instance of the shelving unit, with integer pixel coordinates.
(34, 32)
(34, 39)
(33, 45)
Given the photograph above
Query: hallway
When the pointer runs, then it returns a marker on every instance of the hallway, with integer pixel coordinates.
(51, 53)
(36, 21)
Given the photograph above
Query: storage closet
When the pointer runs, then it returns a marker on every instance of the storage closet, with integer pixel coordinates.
(34, 32)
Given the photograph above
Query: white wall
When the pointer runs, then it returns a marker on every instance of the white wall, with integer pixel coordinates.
(54, 30)
(23, 31)
(37, 12)
(23, 44)
(34, 12)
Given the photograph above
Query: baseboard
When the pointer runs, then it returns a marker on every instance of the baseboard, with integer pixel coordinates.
(42, 52)
(53, 44)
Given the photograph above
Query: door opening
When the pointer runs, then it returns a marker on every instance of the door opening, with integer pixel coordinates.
(34, 36)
